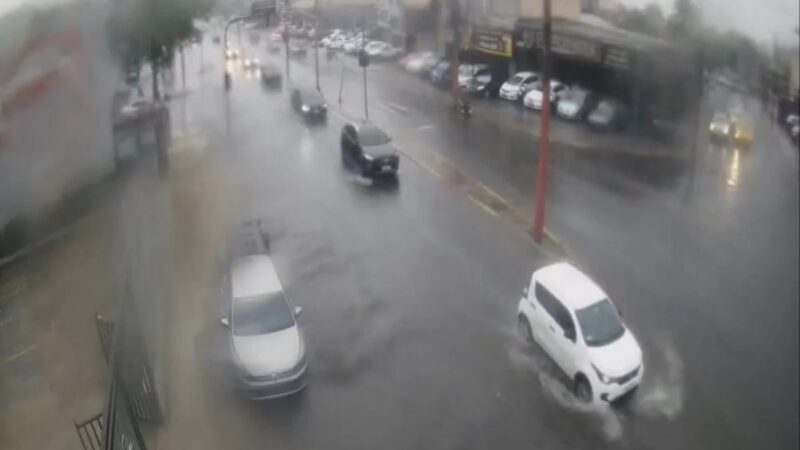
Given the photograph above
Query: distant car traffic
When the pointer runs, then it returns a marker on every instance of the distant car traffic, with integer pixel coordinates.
(310, 103)
(575, 104)
(535, 98)
(251, 63)
(608, 115)
(742, 132)
(266, 345)
(720, 127)
(517, 86)
(368, 149)
(575, 323)
(231, 53)
(270, 75)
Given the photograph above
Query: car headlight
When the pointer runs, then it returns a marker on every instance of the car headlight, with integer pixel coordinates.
(605, 379)
(305, 108)
(324, 106)
(368, 157)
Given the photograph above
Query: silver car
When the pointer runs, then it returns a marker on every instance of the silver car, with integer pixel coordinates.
(266, 344)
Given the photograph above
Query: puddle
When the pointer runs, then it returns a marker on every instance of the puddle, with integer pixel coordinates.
(660, 395)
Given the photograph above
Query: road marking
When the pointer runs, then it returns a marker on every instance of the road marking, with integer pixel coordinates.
(482, 205)
(425, 127)
(399, 108)
(20, 353)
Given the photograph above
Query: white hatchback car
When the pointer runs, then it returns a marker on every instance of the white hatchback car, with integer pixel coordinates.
(266, 344)
(575, 323)
(535, 97)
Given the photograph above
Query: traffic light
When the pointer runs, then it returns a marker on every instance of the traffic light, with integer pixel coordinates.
(363, 58)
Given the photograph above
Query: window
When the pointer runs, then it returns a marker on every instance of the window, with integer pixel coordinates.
(600, 323)
(555, 308)
(370, 135)
(261, 314)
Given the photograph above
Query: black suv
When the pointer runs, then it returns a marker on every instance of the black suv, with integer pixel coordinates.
(310, 103)
(369, 150)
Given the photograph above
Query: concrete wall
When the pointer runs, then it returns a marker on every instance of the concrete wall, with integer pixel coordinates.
(55, 92)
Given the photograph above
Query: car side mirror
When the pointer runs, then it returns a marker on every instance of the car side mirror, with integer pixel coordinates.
(225, 322)
(298, 310)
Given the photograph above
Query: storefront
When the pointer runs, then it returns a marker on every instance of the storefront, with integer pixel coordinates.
(643, 72)
(493, 47)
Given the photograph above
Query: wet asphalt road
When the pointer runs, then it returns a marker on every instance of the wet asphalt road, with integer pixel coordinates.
(409, 290)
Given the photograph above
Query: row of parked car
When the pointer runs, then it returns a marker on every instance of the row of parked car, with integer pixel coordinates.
(350, 42)
(569, 102)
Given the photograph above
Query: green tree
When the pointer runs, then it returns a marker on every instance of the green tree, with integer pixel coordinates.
(150, 30)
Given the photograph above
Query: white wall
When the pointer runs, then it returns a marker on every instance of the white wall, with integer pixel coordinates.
(60, 140)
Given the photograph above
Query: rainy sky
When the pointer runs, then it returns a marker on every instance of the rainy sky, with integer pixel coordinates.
(760, 19)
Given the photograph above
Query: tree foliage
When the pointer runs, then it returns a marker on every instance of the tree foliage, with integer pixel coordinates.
(150, 30)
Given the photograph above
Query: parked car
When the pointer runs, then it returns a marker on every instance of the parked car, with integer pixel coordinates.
(577, 325)
(418, 63)
(298, 49)
(310, 103)
(534, 98)
(352, 46)
(517, 86)
(482, 83)
(271, 75)
(368, 149)
(266, 344)
(440, 74)
(608, 115)
(576, 104)
(720, 127)
(467, 72)
(381, 51)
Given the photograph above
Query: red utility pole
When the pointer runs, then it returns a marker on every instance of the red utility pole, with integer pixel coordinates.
(544, 132)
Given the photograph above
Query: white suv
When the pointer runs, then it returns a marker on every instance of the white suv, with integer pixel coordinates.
(575, 323)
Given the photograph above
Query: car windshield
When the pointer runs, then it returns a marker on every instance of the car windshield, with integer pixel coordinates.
(575, 96)
(606, 108)
(371, 135)
(467, 69)
(261, 314)
(600, 323)
(312, 98)
(515, 80)
(719, 118)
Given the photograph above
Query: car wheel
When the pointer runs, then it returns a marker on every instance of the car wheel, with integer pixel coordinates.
(524, 328)
(583, 390)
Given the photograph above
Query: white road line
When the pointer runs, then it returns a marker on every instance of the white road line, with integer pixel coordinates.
(399, 108)
(426, 127)
(19, 354)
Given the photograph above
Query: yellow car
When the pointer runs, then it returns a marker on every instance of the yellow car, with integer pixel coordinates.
(742, 133)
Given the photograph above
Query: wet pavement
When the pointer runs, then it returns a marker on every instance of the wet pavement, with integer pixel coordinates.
(409, 289)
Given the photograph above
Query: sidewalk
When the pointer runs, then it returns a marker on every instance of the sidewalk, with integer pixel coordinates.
(52, 372)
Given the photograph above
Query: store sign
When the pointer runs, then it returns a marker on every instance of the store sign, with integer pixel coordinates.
(617, 58)
(494, 43)
(571, 46)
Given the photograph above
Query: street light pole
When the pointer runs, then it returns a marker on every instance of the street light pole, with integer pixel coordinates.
(544, 132)
(363, 38)
(286, 35)
(315, 41)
